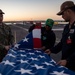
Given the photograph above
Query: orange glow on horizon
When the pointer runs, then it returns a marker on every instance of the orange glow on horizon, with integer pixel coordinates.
(26, 19)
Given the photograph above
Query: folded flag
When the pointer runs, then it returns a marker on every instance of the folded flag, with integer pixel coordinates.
(25, 59)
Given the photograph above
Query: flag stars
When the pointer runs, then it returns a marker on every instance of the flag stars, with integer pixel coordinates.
(38, 67)
(23, 55)
(53, 61)
(17, 45)
(41, 56)
(59, 73)
(48, 64)
(11, 55)
(25, 39)
(13, 51)
(31, 53)
(22, 51)
(33, 58)
(0, 74)
(9, 63)
(26, 61)
(38, 51)
(23, 71)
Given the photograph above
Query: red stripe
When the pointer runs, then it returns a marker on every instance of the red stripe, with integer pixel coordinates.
(37, 42)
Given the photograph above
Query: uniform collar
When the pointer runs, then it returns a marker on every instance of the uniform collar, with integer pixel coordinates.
(73, 25)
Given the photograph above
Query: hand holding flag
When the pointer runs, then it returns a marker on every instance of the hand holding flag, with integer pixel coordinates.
(24, 59)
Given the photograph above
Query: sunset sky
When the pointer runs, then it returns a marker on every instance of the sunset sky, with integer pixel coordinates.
(16, 10)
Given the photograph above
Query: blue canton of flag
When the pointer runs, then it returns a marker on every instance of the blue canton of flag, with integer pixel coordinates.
(23, 59)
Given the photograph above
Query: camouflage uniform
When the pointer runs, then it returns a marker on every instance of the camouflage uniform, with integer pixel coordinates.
(6, 38)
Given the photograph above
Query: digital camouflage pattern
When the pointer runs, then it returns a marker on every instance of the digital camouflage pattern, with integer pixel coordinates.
(6, 38)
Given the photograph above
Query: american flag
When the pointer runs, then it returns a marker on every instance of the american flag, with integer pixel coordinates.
(28, 59)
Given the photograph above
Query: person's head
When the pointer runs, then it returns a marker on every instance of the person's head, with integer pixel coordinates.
(1, 15)
(67, 10)
(49, 24)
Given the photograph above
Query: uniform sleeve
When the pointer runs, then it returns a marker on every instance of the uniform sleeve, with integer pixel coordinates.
(71, 61)
(71, 58)
(11, 37)
(57, 48)
(3, 52)
(51, 41)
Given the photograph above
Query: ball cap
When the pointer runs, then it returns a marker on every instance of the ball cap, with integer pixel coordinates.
(49, 22)
(65, 5)
(1, 12)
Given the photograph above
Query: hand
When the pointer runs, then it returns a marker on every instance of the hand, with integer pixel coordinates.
(62, 62)
(7, 47)
(48, 51)
(43, 48)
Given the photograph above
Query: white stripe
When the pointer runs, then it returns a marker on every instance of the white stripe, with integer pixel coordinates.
(36, 33)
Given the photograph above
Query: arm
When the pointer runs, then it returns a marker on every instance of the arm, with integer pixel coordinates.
(55, 49)
(31, 28)
(68, 62)
(10, 37)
